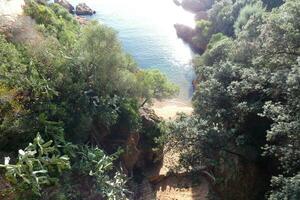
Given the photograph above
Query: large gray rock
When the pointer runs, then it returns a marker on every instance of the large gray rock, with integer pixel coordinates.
(184, 32)
(196, 5)
(83, 9)
(187, 34)
(65, 4)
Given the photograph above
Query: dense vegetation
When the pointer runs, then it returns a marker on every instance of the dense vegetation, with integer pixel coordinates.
(245, 132)
(62, 93)
(53, 92)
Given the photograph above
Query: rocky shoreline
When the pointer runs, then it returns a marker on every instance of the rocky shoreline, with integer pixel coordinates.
(186, 33)
(189, 34)
(80, 9)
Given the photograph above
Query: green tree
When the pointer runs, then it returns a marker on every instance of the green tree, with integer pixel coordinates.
(155, 85)
(246, 104)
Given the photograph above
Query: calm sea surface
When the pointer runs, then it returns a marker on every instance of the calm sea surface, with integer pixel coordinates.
(146, 31)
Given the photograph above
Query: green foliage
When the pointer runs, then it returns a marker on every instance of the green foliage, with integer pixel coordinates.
(182, 134)
(12, 69)
(129, 114)
(109, 182)
(204, 31)
(39, 165)
(54, 20)
(279, 38)
(288, 188)
(248, 11)
(272, 3)
(103, 62)
(224, 13)
(204, 26)
(155, 85)
(70, 85)
(247, 100)
(218, 49)
(196, 5)
(154, 136)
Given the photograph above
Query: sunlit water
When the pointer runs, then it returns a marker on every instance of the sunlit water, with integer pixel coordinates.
(146, 30)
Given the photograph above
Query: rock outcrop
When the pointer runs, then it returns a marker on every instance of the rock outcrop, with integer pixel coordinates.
(83, 9)
(66, 5)
(81, 20)
(188, 35)
(184, 32)
(196, 5)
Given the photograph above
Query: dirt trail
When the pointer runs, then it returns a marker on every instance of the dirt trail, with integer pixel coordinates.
(163, 184)
(168, 185)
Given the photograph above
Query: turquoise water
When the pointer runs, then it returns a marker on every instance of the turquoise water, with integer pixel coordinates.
(146, 30)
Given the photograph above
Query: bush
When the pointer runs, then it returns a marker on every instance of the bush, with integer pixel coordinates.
(248, 11)
(38, 166)
(56, 20)
(109, 182)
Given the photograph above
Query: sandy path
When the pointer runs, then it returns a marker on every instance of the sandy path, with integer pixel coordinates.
(168, 109)
(176, 185)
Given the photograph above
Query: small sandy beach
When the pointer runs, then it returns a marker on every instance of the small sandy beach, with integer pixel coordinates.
(168, 109)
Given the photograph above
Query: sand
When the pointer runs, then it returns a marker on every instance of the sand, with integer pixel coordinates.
(168, 109)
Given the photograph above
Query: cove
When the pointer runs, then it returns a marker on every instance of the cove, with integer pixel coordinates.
(146, 31)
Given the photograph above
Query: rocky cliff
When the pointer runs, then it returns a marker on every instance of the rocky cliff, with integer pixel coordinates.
(188, 34)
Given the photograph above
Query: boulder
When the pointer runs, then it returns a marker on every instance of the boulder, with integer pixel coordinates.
(188, 35)
(81, 20)
(196, 5)
(149, 118)
(83, 9)
(66, 5)
(184, 32)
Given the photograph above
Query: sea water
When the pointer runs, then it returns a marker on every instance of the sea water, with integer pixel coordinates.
(146, 31)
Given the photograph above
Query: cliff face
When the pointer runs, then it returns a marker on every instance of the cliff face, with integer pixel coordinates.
(188, 34)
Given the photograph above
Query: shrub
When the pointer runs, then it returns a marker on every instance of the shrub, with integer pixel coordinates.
(108, 181)
(38, 166)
